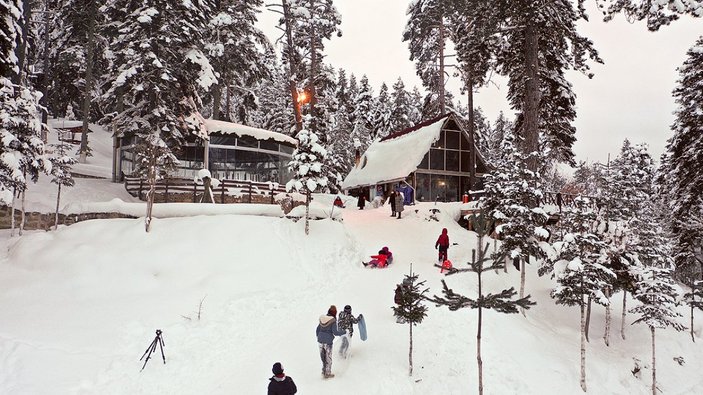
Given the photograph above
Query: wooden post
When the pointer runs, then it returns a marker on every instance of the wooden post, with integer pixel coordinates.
(222, 193)
(195, 192)
(249, 191)
(166, 194)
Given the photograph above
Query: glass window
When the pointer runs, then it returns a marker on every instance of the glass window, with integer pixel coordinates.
(223, 139)
(465, 158)
(436, 159)
(425, 161)
(440, 142)
(287, 149)
(269, 144)
(452, 139)
(247, 141)
(422, 191)
(452, 160)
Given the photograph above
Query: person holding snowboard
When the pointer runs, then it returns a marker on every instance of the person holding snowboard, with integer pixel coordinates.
(443, 244)
(326, 331)
(346, 323)
(280, 384)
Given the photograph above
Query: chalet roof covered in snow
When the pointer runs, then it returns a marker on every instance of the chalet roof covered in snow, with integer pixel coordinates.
(215, 126)
(395, 156)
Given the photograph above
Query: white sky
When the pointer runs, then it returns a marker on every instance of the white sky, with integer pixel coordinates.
(629, 97)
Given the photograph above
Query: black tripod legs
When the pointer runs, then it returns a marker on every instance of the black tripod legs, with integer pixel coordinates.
(152, 348)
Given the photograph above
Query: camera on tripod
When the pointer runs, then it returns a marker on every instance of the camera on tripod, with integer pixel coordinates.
(152, 347)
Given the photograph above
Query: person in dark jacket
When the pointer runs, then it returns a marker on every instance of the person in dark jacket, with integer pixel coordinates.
(361, 202)
(346, 323)
(391, 199)
(443, 244)
(326, 331)
(280, 384)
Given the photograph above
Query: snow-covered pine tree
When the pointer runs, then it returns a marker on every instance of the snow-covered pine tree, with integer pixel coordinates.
(275, 113)
(680, 180)
(363, 112)
(61, 163)
(513, 196)
(68, 54)
(237, 51)
(694, 299)
(427, 35)
(502, 302)
(541, 42)
(21, 145)
(415, 113)
(657, 13)
(579, 266)
(658, 295)
(153, 162)
(411, 309)
(307, 169)
(157, 77)
(400, 107)
(381, 113)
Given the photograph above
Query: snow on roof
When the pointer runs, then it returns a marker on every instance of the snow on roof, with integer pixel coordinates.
(394, 158)
(215, 126)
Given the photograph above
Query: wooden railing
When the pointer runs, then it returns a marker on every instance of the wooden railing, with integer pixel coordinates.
(170, 187)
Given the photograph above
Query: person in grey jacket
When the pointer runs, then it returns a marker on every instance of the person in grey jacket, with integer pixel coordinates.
(326, 331)
(399, 202)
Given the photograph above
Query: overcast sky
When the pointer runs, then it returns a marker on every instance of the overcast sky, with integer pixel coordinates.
(629, 97)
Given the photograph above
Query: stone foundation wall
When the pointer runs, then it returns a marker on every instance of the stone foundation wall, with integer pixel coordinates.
(35, 220)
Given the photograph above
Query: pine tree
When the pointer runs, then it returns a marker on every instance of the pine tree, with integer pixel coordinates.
(157, 77)
(20, 128)
(61, 163)
(502, 302)
(657, 13)
(363, 112)
(657, 293)
(513, 196)
(307, 169)
(381, 114)
(236, 49)
(411, 309)
(400, 108)
(694, 299)
(580, 267)
(681, 181)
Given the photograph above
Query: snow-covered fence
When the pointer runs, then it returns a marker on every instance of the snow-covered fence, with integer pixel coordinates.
(45, 221)
(187, 190)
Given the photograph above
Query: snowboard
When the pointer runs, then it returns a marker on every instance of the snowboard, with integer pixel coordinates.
(362, 328)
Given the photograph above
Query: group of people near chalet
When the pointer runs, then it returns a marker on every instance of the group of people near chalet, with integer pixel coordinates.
(396, 199)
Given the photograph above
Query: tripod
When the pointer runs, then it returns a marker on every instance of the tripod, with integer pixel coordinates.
(152, 347)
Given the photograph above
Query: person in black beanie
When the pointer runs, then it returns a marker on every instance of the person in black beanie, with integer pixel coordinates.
(280, 384)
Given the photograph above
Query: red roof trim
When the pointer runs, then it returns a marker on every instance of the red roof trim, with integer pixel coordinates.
(416, 127)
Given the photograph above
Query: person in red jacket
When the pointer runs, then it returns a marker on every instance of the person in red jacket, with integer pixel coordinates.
(443, 244)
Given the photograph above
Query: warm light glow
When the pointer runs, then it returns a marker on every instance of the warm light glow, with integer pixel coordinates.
(302, 97)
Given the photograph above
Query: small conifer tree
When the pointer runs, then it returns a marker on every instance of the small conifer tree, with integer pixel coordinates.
(410, 307)
(502, 302)
(61, 164)
(695, 300)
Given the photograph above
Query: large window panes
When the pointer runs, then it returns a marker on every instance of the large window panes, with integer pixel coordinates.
(422, 189)
(436, 159)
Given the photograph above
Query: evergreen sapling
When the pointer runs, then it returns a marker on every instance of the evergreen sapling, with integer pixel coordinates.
(61, 164)
(410, 308)
(695, 300)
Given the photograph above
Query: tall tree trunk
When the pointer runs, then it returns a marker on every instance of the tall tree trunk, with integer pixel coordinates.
(442, 104)
(410, 351)
(307, 212)
(530, 127)
(45, 77)
(692, 338)
(654, 363)
(583, 342)
(292, 68)
(23, 217)
(87, 99)
(472, 127)
(56, 217)
(479, 361)
(624, 311)
(522, 283)
(216, 98)
(151, 193)
(588, 317)
(21, 42)
(606, 335)
(12, 226)
(313, 77)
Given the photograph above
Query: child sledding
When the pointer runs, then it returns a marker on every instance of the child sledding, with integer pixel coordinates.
(381, 260)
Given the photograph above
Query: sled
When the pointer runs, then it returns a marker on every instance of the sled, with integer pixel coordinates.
(362, 328)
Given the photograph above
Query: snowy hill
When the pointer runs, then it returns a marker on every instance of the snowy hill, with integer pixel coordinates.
(80, 305)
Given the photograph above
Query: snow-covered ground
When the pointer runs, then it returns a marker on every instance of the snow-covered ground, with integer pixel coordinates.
(79, 306)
